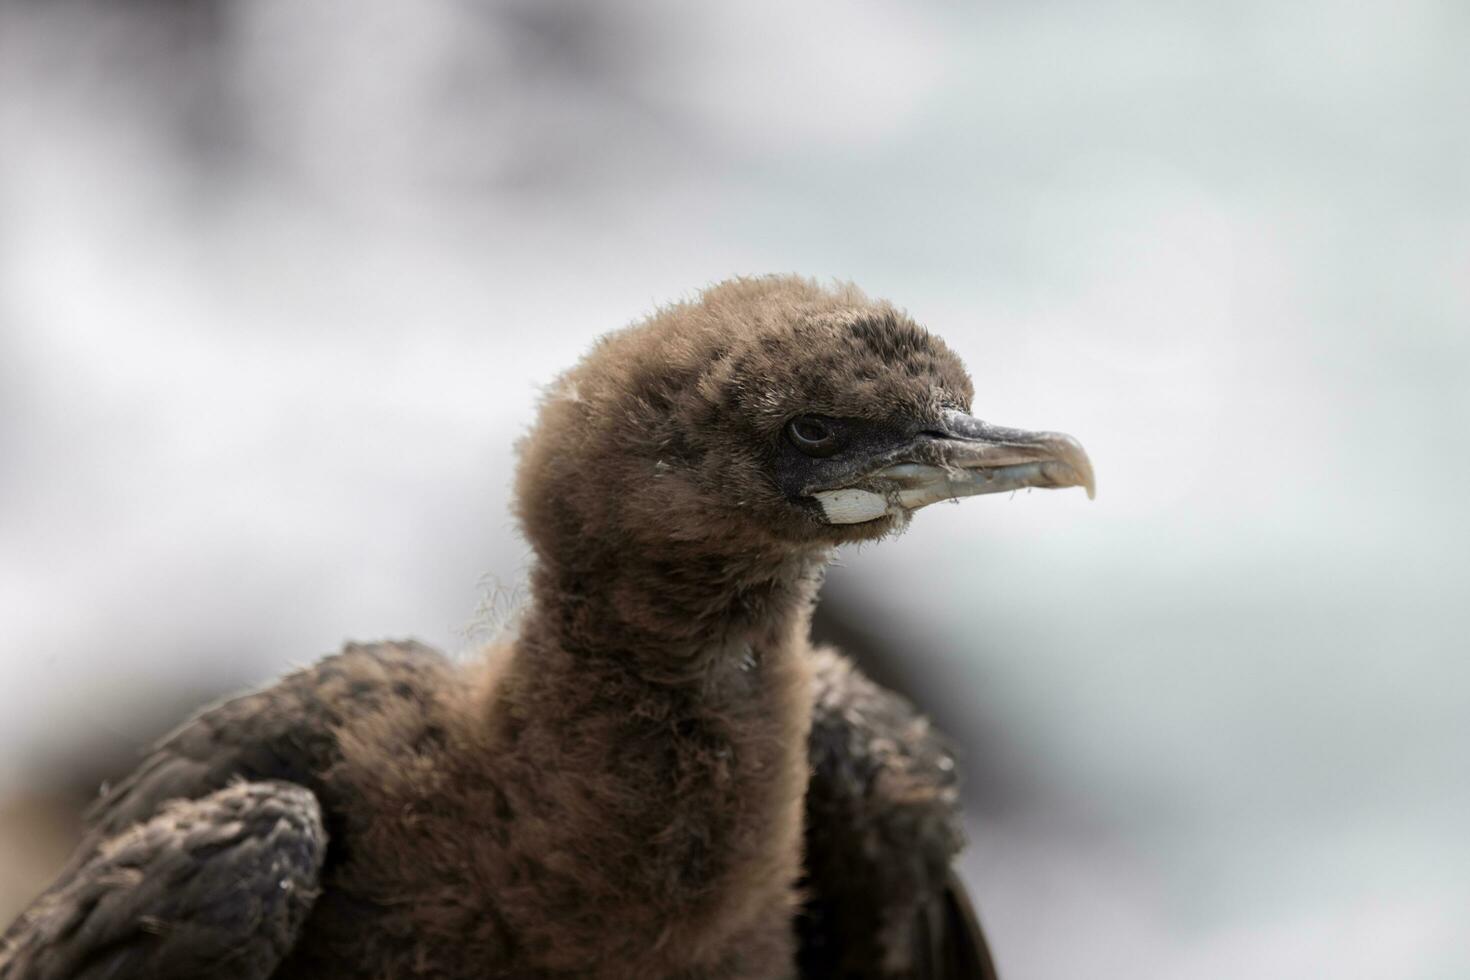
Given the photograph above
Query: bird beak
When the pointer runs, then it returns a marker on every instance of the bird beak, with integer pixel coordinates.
(961, 458)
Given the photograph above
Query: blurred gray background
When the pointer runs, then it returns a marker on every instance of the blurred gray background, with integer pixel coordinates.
(279, 281)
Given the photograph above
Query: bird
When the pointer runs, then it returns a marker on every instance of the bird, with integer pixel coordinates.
(658, 775)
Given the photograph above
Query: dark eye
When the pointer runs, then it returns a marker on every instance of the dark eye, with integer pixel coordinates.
(813, 436)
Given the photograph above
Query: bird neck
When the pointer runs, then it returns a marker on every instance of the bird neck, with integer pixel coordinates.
(673, 612)
(653, 717)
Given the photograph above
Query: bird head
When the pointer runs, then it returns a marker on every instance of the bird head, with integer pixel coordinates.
(768, 414)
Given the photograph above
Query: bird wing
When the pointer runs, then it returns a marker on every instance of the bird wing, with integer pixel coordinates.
(287, 731)
(950, 932)
(883, 828)
(204, 860)
(216, 887)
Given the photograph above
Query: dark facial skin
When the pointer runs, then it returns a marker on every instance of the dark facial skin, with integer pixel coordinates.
(856, 446)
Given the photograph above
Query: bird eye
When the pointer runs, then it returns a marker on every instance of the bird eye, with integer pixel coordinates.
(813, 436)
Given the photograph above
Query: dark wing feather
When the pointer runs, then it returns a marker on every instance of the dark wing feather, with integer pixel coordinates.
(217, 887)
(949, 933)
(286, 731)
(215, 840)
(883, 828)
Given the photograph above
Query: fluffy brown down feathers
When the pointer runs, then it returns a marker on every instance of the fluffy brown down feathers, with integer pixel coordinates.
(618, 793)
(665, 646)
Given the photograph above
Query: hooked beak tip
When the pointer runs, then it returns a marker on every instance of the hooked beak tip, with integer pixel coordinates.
(1070, 452)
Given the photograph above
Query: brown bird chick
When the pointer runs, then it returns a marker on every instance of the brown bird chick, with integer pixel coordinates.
(624, 789)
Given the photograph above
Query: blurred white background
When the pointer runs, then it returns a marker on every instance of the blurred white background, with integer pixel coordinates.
(279, 282)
